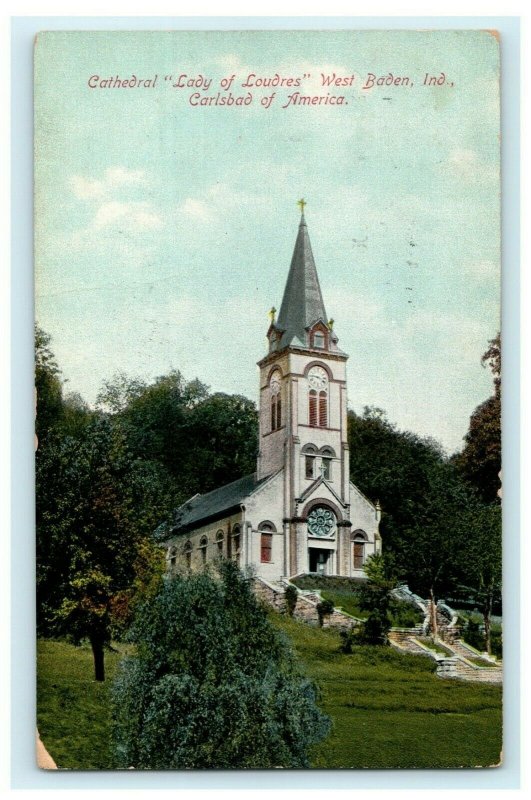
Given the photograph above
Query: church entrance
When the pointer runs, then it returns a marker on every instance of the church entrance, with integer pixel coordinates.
(319, 560)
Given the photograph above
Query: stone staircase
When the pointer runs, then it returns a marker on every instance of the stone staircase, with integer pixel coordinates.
(457, 664)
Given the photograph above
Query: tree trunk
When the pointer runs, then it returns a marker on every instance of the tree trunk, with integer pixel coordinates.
(97, 652)
(433, 615)
(487, 611)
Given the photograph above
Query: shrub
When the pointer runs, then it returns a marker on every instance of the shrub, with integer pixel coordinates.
(211, 684)
(291, 599)
(324, 609)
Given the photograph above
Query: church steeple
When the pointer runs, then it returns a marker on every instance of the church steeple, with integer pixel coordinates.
(302, 304)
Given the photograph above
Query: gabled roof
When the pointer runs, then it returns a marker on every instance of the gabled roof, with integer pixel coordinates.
(302, 304)
(217, 503)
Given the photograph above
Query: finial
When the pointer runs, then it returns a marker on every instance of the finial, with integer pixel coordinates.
(272, 313)
(301, 203)
(330, 324)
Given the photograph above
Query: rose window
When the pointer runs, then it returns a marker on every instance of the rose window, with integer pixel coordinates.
(321, 522)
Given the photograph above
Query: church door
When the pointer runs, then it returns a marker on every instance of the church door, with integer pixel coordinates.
(319, 560)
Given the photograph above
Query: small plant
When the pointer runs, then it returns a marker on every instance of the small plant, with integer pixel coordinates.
(324, 609)
(291, 599)
(348, 640)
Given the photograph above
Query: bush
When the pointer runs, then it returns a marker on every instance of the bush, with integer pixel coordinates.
(324, 609)
(212, 684)
(291, 599)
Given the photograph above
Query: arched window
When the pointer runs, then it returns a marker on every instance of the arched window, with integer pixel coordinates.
(172, 556)
(275, 396)
(203, 544)
(187, 549)
(219, 542)
(266, 541)
(326, 462)
(318, 397)
(236, 542)
(309, 452)
(359, 540)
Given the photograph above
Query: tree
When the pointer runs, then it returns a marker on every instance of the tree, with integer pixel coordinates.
(392, 466)
(376, 598)
(212, 684)
(480, 460)
(431, 554)
(482, 576)
(96, 509)
(48, 385)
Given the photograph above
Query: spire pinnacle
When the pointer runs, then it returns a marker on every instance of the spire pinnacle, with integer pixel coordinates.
(302, 304)
(301, 203)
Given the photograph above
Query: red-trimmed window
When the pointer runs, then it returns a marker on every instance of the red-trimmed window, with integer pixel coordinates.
(266, 547)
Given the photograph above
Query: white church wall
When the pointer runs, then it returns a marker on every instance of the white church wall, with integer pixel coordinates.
(267, 504)
(209, 530)
(363, 517)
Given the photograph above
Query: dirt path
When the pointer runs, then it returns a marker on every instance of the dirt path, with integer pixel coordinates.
(44, 759)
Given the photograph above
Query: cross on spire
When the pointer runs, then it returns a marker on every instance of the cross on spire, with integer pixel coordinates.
(301, 203)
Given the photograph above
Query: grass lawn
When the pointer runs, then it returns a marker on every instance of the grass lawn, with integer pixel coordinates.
(388, 710)
(73, 713)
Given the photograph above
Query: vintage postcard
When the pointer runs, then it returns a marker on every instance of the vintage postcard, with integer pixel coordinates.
(267, 338)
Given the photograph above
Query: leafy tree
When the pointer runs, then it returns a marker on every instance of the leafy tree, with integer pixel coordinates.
(48, 385)
(212, 684)
(431, 553)
(96, 509)
(376, 598)
(392, 466)
(482, 573)
(480, 460)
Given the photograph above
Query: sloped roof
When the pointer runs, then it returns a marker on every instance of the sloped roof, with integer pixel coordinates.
(217, 503)
(302, 304)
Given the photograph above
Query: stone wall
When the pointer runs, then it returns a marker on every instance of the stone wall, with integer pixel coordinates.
(305, 608)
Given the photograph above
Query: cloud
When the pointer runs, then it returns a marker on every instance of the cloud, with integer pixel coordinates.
(134, 215)
(216, 201)
(111, 214)
(467, 165)
(113, 178)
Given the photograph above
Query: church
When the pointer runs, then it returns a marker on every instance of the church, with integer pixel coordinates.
(299, 512)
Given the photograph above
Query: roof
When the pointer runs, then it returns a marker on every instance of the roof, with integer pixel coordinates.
(217, 503)
(302, 304)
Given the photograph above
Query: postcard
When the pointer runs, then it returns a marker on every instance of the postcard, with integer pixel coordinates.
(267, 365)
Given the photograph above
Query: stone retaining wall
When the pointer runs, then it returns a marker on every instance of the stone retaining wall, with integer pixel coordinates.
(305, 608)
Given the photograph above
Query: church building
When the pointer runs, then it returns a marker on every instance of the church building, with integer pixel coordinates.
(299, 512)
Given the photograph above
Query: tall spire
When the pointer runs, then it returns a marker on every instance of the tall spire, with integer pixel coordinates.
(302, 304)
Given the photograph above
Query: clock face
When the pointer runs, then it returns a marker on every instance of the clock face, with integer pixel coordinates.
(321, 522)
(317, 378)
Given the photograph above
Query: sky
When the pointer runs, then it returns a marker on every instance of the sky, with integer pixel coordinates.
(164, 231)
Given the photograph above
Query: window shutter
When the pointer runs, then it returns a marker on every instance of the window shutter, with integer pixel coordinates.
(313, 408)
(322, 410)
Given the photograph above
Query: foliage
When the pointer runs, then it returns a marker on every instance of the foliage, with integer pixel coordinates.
(480, 460)
(328, 582)
(473, 633)
(291, 599)
(482, 564)
(73, 710)
(324, 609)
(106, 478)
(212, 684)
(408, 718)
(48, 386)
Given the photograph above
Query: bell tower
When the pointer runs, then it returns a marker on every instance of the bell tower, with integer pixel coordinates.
(303, 407)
